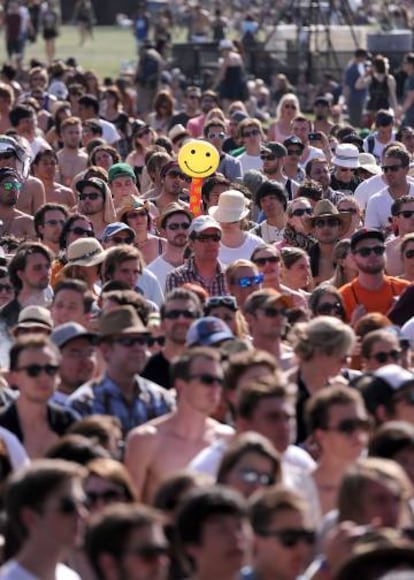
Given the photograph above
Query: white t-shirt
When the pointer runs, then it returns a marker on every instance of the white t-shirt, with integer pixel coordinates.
(248, 162)
(109, 132)
(228, 255)
(367, 189)
(379, 208)
(150, 288)
(17, 453)
(407, 330)
(160, 268)
(378, 149)
(12, 570)
(314, 153)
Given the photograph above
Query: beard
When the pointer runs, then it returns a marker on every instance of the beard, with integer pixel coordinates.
(371, 268)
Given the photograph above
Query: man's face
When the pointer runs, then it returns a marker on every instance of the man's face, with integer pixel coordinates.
(382, 502)
(8, 159)
(271, 163)
(405, 218)
(275, 419)
(193, 101)
(321, 112)
(268, 322)
(216, 136)
(85, 112)
(128, 271)
(46, 168)
(27, 126)
(91, 201)
(78, 362)
(37, 374)
(394, 173)
(294, 154)
(251, 136)
(178, 317)
(215, 194)
(9, 191)
(175, 230)
(133, 565)
(301, 130)
(71, 136)
(206, 245)
(407, 139)
(206, 104)
(320, 173)
(327, 229)
(202, 392)
(374, 262)
(403, 408)
(125, 354)
(271, 206)
(384, 132)
(68, 306)
(53, 222)
(36, 275)
(173, 182)
(123, 186)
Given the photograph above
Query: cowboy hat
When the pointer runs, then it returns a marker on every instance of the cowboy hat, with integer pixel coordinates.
(325, 208)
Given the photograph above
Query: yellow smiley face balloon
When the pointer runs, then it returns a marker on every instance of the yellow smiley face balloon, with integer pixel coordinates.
(198, 158)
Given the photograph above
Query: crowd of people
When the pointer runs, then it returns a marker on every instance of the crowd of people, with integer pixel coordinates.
(224, 395)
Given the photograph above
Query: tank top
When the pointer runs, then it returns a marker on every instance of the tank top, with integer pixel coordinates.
(378, 94)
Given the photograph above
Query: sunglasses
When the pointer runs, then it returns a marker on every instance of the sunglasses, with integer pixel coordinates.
(328, 222)
(142, 133)
(329, 308)
(149, 553)
(69, 506)
(175, 314)
(349, 426)
(82, 232)
(54, 222)
(207, 379)
(175, 227)
(34, 370)
(7, 155)
(365, 252)
(108, 496)
(253, 477)
(10, 185)
(392, 168)
(229, 301)
(128, 341)
(272, 312)
(409, 254)
(267, 157)
(208, 237)
(119, 240)
(6, 288)
(290, 538)
(252, 133)
(383, 357)
(300, 212)
(268, 259)
(292, 152)
(160, 340)
(91, 196)
(135, 214)
(220, 135)
(407, 214)
(248, 281)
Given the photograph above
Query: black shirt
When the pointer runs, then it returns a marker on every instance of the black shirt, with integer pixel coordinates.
(157, 370)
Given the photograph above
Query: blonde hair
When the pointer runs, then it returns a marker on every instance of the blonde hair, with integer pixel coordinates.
(322, 335)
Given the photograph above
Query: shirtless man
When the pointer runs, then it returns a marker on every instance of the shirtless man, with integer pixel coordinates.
(72, 159)
(167, 444)
(13, 154)
(173, 181)
(48, 222)
(6, 102)
(44, 167)
(92, 194)
(13, 221)
(402, 212)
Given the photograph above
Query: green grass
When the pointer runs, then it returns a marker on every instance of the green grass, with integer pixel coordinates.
(105, 53)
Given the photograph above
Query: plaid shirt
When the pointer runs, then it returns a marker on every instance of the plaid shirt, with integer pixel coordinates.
(104, 397)
(189, 273)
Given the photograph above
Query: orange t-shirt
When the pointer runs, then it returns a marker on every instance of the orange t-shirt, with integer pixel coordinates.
(381, 300)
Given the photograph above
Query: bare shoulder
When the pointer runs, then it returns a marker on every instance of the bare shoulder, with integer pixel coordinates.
(22, 217)
(220, 430)
(149, 431)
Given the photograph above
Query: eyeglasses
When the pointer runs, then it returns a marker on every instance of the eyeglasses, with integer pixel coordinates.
(267, 157)
(392, 168)
(220, 135)
(175, 314)
(349, 426)
(108, 496)
(7, 155)
(91, 196)
(181, 226)
(252, 133)
(6, 288)
(351, 210)
(228, 301)
(10, 185)
(365, 252)
(407, 214)
(82, 232)
(34, 370)
(328, 222)
(150, 552)
(248, 281)
(254, 477)
(383, 357)
(208, 237)
(129, 341)
(269, 259)
(409, 254)
(292, 152)
(152, 340)
(54, 222)
(207, 379)
(272, 312)
(69, 506)
(300, 212)
(328, 308)
(290, 537)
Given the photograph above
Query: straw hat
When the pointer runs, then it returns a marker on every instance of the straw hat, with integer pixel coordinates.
(85, 252)
(177, 131)
(132, 203)
(367, 162)
(122, 320)
(325, 208)
(346, 155)
(34, 317)
(232, 207)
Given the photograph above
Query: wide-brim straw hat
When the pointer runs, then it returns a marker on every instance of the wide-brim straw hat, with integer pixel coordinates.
(325, 208)
(85, 252)
(232, 207)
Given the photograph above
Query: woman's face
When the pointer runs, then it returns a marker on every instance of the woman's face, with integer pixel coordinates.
(103, 159)
(226, 315)
(356, 214)
(268, 262)
(144, 138)
(137, 220)
(101, 492)
(79, 229)
(243, 283)
(329, 305)
(6, 290)
(299, 276)
(253, 471)
(289, 109)
(383, 352)
(302, 209)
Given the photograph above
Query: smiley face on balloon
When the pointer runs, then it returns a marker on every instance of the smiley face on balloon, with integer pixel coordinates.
(198, 159)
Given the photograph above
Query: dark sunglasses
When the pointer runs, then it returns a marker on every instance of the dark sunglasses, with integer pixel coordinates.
(292, 152)
(207, 379)
(365, 252)
(176, 313)
(349, 426)
(267, 157)
(69, 505)
(108, 496)
(6, 288)
(300, 212)
(160, 340)
(253, 477)
(34, 370)
(409, 254)
(248, 281)
(407, 214)
(175, 227)
(149, 553)
(272, 312)
(290, 537)
(91, 196)
(120, 240)
(228, 301)
(82, 232)
(264, 261)
(330, 222)
(129, 341)
(383, 357)
(134, 214)
(208, 237)
(252, 133)
(329, 308)
(392, 168)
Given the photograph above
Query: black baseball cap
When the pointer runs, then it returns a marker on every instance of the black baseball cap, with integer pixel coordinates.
(293, 140)
(366, 234)
(276, 149)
